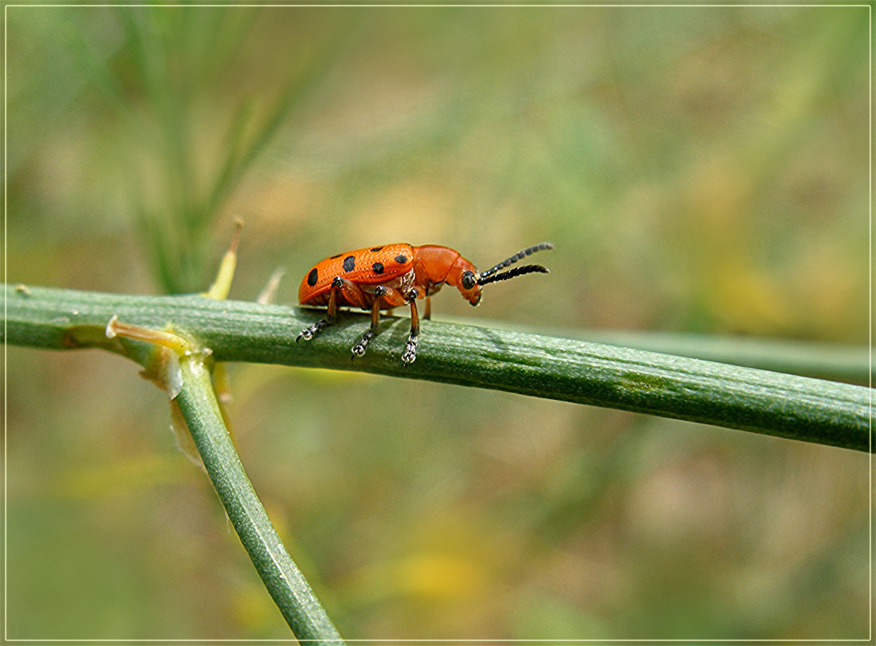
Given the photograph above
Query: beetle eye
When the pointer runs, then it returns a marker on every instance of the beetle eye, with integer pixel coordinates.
(468, 280)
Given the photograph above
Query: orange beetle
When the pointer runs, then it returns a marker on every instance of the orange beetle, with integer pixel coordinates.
(382, 278)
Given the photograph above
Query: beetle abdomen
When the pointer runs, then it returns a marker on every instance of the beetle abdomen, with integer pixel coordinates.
(370, 266)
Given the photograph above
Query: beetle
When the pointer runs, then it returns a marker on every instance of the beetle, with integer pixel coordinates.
(389, 276)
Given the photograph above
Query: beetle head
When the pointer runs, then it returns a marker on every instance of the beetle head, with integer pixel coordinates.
(469, 282)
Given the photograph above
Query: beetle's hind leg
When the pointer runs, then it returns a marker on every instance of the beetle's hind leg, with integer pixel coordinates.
(308, 333)
(311, 331)
(362, 345)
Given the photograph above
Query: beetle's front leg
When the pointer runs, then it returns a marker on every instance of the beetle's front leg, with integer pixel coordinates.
(430, 290)
(410, 353)
(362, 345)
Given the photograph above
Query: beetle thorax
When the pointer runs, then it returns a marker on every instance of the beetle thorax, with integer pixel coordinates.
(403, 284)
(436, 265)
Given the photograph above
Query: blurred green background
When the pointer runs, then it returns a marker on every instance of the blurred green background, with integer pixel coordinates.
(700, 169)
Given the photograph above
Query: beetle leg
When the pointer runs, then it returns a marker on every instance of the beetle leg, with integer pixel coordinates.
(362, 345)
(410, 353)
(430, 289)
(331, 316)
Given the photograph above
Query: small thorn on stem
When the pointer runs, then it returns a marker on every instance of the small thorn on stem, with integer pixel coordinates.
(170, 340)
(269, 293)
(222, 285)
(235, 237)
(111, 331)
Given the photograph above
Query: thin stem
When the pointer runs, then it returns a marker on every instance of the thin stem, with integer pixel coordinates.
(290, 591)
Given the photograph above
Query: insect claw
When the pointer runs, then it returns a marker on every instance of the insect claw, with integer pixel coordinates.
(410, 353)
(362, 345)
(358, 350)
(308, 333)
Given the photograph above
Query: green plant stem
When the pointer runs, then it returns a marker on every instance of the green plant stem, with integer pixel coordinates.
(764, 402)
(286, 584)
(832, 361)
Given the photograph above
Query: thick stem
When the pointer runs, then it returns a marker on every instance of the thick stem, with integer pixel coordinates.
(771, 403)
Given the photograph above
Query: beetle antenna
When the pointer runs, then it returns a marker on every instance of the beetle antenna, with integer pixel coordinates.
(517, 256)
(512, 273)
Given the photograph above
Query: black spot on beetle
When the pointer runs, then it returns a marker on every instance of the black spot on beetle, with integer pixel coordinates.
(377, 267)
(401, 259)
(312, 277)
(349, 263)
(377, 248)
